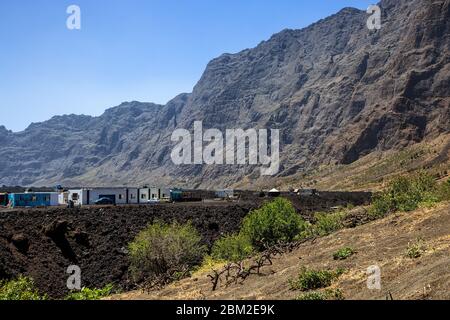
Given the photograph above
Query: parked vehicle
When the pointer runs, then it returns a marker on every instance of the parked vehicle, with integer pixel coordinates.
(104, 201)
(153, 201)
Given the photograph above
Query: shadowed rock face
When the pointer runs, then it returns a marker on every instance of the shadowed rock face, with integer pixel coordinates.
(336, 90)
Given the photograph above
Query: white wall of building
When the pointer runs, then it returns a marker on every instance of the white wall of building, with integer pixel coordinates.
(89, 196)
(144, 195)
(165, 193)
(135, 195)
(154, 193)
(63, 198)
(78, 196)
(120, 194)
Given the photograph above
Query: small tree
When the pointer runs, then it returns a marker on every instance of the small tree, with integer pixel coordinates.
(232, 248)
(165, 249)
(327, 223)
(275, 222)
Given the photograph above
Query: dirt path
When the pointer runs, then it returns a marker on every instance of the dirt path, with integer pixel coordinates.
(383, 243)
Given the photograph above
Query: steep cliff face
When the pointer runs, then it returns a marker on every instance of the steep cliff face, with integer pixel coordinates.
(336, 90)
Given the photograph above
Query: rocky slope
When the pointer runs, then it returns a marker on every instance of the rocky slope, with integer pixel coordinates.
(336, 90)
(383, 243)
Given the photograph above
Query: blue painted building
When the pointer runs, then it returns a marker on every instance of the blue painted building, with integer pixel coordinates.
(33, 199)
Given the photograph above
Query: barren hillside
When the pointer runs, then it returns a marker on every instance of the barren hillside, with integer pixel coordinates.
(383, 243)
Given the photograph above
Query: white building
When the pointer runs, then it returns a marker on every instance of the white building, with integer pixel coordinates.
(63, 198)
(132, 196)
(153, 193)
(144, 195)
(165, 193)
(88, 196)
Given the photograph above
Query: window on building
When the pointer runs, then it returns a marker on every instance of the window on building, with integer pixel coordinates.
(120, 197)
(143, 196)
(74, 196)
(132, 196)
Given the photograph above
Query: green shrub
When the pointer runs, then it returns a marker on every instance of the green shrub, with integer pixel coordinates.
(416, 250)
(314, 279)
(22, 288)
(275, 222)
(91, 294)
(343, 253)
(406, 194)
(165, 249)
(232, 248)
(327, 223)
(381, 205)
(403, 195)
(322, 295)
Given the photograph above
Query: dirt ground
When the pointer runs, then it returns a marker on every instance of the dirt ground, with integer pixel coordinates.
(43, 243)
(383, 243)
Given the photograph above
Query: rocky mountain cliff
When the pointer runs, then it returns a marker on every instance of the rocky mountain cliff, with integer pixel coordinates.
(336, 90)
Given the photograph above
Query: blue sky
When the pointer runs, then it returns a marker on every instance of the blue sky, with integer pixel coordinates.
(145, 50)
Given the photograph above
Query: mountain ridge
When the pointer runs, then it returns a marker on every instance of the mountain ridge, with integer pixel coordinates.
(124, 103)
(336, 90)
